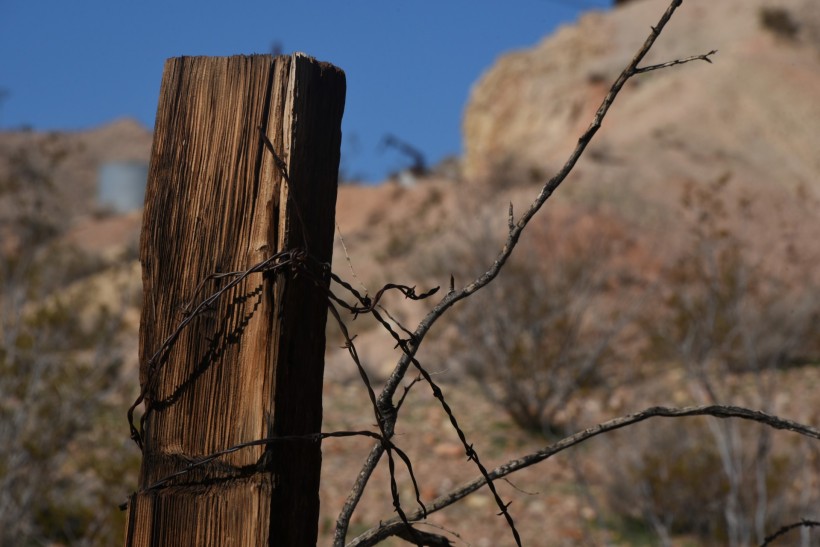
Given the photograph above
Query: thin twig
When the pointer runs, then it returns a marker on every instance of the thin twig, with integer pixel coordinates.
(347, 258)
(704, 57)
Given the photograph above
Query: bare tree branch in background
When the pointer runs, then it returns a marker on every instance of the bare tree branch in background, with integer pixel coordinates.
(59, 368)
(556, 312)
(733, 326)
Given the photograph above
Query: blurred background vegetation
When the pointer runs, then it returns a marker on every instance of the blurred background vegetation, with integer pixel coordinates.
(64, 463)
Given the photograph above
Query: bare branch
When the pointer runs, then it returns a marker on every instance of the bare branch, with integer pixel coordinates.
(373, 536)
(453, 296)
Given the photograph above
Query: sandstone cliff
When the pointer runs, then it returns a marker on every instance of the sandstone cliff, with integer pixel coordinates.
(754, 113)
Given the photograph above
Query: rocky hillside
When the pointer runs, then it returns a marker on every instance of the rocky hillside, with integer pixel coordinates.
(726, 153)
(753, 113)
(751, 116)
(72, 159)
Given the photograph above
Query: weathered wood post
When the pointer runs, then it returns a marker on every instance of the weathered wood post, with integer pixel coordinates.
(250, 367)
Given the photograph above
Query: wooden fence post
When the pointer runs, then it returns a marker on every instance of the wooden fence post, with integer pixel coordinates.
(222, 198)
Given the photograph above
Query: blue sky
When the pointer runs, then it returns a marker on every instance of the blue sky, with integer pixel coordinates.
(409, 65)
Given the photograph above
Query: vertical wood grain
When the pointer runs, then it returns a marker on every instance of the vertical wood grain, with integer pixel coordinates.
(252, 366)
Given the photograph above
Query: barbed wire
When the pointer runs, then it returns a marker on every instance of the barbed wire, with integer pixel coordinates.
(285, 259)
(292, 262)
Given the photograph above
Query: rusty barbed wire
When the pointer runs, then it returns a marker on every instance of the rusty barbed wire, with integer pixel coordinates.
(370, 306)
(292, 262)
(204, 460)
(192, 310)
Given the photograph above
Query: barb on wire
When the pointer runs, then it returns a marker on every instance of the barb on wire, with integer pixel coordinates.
(368, 304)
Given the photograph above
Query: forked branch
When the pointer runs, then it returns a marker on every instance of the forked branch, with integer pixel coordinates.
(515, 230)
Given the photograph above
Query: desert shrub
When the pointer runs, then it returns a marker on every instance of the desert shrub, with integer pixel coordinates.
(726, 304)
(61, 389)
(543, 332)
(778, 21)
(671, 477)
(398, 244)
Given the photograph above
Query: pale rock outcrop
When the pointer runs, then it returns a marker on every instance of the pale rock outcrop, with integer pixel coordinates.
(754, 113)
